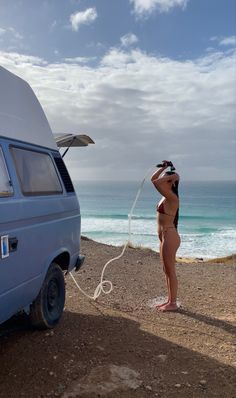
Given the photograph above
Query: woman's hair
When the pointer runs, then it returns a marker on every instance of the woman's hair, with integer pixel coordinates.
(175, 190)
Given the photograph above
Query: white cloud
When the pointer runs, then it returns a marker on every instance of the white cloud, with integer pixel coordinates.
(11, 32)
(53, 25)
(228, 41)
(140, 109)
(80, 60)
(128, 39)
(2, 31)
(83, 17)
(224, 41)
(146, 7)
(16, 34)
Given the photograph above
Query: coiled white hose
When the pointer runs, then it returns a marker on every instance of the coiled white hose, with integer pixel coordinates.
(105, 282)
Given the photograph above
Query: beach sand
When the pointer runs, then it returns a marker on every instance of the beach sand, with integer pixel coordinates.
(120, 345)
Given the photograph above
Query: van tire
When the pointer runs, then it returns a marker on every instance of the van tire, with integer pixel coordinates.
(47, 309)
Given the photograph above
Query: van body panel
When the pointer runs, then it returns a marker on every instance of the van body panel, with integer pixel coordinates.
(18, 299)
(39, 210)
(44, 227)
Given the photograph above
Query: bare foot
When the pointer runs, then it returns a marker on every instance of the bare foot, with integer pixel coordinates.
(161, 305)
(169, 307)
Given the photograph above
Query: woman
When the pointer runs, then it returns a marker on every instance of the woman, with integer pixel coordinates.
(168, 212)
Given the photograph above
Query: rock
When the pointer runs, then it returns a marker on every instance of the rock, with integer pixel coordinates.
(148, 388)
(162, 357)
(99, 347)
(177, 385)
(103, 380)
(203, 382)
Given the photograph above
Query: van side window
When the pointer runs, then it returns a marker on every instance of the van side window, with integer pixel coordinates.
(36, 172)
(64, 174)
(5, 184)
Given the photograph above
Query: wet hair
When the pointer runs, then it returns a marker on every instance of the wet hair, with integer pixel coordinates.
(175, 190)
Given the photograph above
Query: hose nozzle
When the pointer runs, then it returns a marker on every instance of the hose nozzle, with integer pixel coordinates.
(168, 164)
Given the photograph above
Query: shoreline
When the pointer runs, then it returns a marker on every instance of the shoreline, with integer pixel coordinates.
(229, 259)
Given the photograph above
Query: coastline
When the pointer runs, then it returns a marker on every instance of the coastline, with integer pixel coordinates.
(229, 259)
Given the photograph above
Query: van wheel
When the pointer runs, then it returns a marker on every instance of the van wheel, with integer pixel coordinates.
(48, 306)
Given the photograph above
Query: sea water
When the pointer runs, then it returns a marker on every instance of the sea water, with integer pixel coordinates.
(207, 223)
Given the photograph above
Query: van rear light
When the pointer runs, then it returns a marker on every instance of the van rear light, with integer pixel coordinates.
(64, 174)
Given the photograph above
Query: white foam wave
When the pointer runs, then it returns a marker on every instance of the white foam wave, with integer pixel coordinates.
(219, 243)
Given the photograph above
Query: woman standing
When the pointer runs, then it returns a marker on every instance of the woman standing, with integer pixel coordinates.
(167, 221)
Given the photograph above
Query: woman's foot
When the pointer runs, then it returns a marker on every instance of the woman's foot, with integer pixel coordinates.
(161, 305)
(168, 307)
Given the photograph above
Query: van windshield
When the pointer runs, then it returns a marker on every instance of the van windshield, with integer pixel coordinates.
(5, 186)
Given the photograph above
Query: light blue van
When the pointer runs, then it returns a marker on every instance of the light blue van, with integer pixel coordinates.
(39, 210)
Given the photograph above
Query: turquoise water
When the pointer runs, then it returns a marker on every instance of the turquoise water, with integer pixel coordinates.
(207, 223)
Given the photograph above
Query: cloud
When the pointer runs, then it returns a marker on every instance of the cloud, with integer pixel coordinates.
(128, 39)
(2, 31)
(53, 25)
(224, 41)
(11, 32)
(83, 18)
(228, 41)
(144, 8)
(80, 60)
(140, 109)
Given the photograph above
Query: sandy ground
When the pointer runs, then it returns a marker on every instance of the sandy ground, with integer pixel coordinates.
(120, 345)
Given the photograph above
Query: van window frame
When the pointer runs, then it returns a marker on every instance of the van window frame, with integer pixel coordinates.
(11, 190)
(34, 193)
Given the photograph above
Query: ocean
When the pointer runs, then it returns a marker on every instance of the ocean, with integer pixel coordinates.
(207, 223)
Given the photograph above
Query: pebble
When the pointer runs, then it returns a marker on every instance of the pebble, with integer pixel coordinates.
(100, 348)
(162, 357)
(49, 333)
(177, 385)
(148, 388)
(203, 382)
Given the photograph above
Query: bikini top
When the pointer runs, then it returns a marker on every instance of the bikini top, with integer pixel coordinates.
(161, 210)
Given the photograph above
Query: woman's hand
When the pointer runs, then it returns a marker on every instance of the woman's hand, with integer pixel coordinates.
(166, 163)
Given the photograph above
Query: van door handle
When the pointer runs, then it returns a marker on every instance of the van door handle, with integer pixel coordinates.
(13, 243)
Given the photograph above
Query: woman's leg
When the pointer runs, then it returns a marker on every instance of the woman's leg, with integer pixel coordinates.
(167, 280)
(170, 246)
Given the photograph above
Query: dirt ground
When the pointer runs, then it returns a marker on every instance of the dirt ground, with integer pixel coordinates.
(120, 345)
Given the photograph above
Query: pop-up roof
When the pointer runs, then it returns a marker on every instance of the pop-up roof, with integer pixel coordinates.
(69, 140)
(21, 115)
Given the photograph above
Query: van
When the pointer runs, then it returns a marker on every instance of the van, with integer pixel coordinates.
(40, 222)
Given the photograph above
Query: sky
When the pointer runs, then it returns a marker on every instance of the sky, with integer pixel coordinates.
(147, 80)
